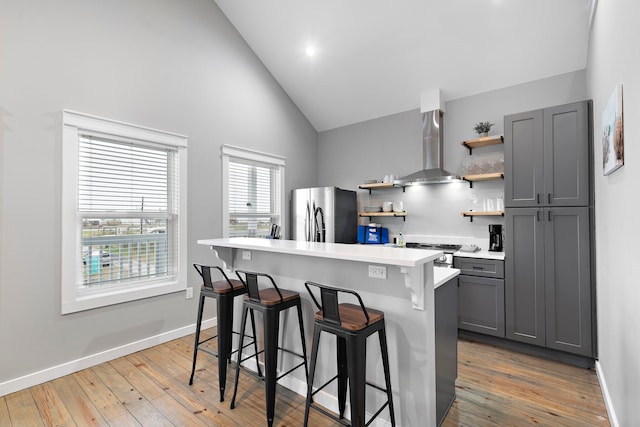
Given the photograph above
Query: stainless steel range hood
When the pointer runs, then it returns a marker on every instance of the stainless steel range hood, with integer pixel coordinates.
(432, 153)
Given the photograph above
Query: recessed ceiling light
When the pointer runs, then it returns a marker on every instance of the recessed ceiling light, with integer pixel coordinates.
(310, 51)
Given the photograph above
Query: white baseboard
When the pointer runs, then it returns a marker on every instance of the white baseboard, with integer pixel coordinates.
(613, 420)
(72, 366)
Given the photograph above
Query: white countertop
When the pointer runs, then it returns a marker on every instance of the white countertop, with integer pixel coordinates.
(481, 254)
(442, 275)
(402, 257)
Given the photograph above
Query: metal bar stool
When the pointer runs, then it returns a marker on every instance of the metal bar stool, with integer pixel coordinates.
(224, 291)
(351, 324)
(270, 302)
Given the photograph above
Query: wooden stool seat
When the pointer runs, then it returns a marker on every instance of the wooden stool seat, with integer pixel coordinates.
(352, 317)
(222, 286)
(270, 296)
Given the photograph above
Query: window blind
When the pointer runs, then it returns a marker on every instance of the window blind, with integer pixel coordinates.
(128, 202)
(120, 177)
(254, 198)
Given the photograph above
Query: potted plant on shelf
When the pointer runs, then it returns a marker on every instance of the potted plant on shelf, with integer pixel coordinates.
(483, 128)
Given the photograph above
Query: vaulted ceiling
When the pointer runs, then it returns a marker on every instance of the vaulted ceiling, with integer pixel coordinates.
(373, 58)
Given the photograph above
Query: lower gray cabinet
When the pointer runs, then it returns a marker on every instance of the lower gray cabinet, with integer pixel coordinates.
(548, 293)
(481, 295)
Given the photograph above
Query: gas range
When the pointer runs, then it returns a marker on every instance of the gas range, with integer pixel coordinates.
(446, 260)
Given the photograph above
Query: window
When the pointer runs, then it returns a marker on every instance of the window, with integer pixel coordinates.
(123, 212)
(252, 192)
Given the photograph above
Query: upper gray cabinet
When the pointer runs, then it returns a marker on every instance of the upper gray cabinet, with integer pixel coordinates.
(547, 157)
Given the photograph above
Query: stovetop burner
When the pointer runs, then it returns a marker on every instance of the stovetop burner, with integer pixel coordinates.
(445, 247)
(446, 259)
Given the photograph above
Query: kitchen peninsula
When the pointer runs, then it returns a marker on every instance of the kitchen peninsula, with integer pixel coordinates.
(406, 295)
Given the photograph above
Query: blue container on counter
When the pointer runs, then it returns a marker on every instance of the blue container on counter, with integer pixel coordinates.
(372, 235)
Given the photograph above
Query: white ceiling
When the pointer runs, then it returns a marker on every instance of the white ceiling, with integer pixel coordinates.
(376, 57)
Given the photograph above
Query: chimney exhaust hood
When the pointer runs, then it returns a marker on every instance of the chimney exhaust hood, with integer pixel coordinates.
(432, 154)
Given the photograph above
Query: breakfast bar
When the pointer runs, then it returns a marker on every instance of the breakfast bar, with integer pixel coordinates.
(403, 286)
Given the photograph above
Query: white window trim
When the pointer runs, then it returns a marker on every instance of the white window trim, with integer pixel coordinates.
(74, 124)
(230, 151)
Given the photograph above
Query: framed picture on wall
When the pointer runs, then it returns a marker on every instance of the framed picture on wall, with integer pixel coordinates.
(613, 133)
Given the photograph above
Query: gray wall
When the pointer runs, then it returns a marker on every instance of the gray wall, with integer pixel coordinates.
(392, 145)
(614, 36)
(178, 66)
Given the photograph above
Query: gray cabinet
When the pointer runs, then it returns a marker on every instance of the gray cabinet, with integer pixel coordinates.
(548, 278)
(481, 295)
(524, 290)
(547, 156)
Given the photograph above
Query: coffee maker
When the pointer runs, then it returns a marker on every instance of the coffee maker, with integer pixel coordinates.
(495, 237)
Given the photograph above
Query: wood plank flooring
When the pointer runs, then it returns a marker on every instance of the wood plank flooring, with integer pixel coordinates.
(495, 387)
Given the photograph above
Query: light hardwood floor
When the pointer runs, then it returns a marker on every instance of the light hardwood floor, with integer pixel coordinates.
(495, 387)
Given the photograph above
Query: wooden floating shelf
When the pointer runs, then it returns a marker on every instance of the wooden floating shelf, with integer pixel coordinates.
(483, 142)
(482, 177)
(471, 214)
(402, 215)
(376, 186)
(379, 186)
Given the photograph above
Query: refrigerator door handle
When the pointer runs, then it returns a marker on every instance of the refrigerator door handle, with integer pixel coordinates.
(314, 225)
(307, 223)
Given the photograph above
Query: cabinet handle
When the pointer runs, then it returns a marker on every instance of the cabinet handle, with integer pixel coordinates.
(549, 198)
(475, 267)
(538, 198)
(537, 215)
(549, 215)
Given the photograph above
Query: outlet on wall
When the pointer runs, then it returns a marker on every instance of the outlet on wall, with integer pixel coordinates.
(246, 255)
(378, 271)
(189, 293)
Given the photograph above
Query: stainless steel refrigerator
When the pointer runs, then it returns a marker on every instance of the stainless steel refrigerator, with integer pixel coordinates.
(324, 214)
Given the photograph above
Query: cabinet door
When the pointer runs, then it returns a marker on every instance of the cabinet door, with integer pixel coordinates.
(523, 159)
(524, 276)
(568, 280)
(566, 155)
(481, 305)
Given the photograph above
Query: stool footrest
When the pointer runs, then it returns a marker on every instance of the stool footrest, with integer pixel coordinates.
(215, 354)
(384, 390)
(250, 372)
(207, 340)
(250, 357)
(377, 413)
(290, 370)
(324, 385)
(318, 408)
(209, 352)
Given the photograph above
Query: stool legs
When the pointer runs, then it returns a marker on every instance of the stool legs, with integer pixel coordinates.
(341, 347)
(197, 340)
(271, 322)
(225, 333)
(356, 367)
(242, 327)
(225, 324)
(382, 334)
(302, 340)
(351, 365)
(312, 372)
(271, 326)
